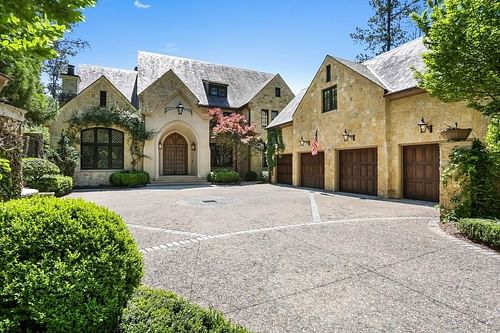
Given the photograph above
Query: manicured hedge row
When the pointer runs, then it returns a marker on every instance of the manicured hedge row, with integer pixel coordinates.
(59, 184)
(5, 179)
(223, 176)
(66, 265)
(160, 311)
(129, 178)
(481, 230)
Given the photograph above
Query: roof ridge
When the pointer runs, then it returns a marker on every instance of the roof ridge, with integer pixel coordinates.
(394, 49)
(204, 62)
(105, 67)
(378, 77)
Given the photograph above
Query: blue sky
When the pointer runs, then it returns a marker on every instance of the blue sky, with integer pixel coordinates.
(289, 37)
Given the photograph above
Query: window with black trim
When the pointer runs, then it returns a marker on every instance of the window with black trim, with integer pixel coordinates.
(328, 73)
(274, 114)
(102, 98)
(277, 92)
(217, 90)
(264, 118)
(101, 148)
(330, 99)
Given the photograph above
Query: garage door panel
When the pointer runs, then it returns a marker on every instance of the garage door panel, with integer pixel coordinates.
(284, 169)
(358, 171)
(421, 172)
(312, 170)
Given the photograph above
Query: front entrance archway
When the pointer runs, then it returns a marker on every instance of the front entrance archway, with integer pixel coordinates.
(175, 155)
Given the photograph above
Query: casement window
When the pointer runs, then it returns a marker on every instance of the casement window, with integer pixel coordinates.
(217, 90)
(328, 73)
(101, 148)
(274, 113)
(102, 98)
(277, 92)
(264, 118)
(330, 99)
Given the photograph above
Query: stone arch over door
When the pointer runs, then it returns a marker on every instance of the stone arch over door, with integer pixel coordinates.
(175, 155)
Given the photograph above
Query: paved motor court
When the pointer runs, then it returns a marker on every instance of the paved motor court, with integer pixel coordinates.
(281, 259)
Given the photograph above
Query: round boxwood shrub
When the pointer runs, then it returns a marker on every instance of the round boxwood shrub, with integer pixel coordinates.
(66, 265)
(129, 178)
(223, 176)
(159, 311)
(251, 176)
(34, 168)
(59, 184)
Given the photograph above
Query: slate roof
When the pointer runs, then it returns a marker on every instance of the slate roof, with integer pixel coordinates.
(361, 69)
(286, 115)
(124, 80)
(242, 84)
(393, 67)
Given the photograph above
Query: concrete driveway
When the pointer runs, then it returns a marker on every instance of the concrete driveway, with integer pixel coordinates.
(280, 259)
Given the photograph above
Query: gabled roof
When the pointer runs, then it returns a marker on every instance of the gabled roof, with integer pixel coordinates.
(242, 83)
(286, 115)
(123, 80)
(362, 70)
(394, 67)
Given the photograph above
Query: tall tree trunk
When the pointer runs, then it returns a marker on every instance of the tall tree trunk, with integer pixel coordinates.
(388, 43)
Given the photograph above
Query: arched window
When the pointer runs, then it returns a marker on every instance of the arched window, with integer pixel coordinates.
(101, 148)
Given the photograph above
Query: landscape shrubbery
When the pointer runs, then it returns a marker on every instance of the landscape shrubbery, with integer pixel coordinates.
(66, 265)
(251, 176)
(45, 176)
(482, 231)
(34, 168)
(224, 176)
(5, 179)
(153, 310)
(129, 178)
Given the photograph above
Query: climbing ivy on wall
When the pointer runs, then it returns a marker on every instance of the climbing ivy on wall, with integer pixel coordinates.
(129, 119)
(274, 145)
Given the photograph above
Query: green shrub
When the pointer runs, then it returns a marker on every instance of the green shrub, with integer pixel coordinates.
(160, 311)
(129, 178)
(5, 179)
(223, 176)
(66, 266)
(59, 184)
(482, 231)
(34, 168)
(251, 176)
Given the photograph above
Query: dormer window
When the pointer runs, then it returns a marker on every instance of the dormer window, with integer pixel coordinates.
(217, 90)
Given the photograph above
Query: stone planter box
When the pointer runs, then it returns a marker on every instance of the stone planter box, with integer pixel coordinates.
(455, 134)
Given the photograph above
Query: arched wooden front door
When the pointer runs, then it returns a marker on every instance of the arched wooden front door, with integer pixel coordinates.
(175, 155)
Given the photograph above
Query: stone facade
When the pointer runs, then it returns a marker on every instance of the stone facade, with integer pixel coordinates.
(385, 121)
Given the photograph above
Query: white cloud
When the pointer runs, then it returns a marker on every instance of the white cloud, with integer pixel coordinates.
(141, 5)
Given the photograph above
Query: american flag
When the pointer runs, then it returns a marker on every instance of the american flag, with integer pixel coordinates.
(315, 145)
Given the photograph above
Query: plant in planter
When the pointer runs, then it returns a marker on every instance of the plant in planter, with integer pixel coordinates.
(451, 133)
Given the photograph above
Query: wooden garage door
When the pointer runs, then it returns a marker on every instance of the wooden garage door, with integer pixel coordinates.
(421, 172)
(358, 171)
(284, 169)
(312, 170)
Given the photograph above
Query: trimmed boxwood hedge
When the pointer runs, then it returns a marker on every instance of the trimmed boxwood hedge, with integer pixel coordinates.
(59, 184)
(483, 231)
(66, 265)
(251, 176)
(158, 311)
(34, 168)
(223, 176)
(129, 178)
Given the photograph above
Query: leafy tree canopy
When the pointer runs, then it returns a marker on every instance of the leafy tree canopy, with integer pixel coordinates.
(31, 26)
(463, 62)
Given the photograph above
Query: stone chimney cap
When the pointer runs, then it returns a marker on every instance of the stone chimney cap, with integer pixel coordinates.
(70, 71)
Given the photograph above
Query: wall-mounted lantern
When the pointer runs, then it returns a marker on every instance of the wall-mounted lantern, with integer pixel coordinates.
(159, 146)
(302, 142)
(346, 136)
(193, 146)
(180, 109)
(424, 126)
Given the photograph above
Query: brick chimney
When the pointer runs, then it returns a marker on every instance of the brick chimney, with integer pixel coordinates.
(70, 83)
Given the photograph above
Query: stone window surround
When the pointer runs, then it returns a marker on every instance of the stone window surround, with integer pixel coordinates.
(331, 103)
(95, 145)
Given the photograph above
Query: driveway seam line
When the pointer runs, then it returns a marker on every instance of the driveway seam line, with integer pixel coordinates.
(316, 217)
(167, 231)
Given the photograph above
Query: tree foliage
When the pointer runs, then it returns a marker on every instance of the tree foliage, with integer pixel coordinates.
(232, 131)
(389, 27)
(31, 26)
(463, 62)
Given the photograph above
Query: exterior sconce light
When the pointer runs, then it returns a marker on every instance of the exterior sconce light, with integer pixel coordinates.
(303, 142)
(346, 136)
(180, 109)
(193, 146)
(159, 146)
(423, 125)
